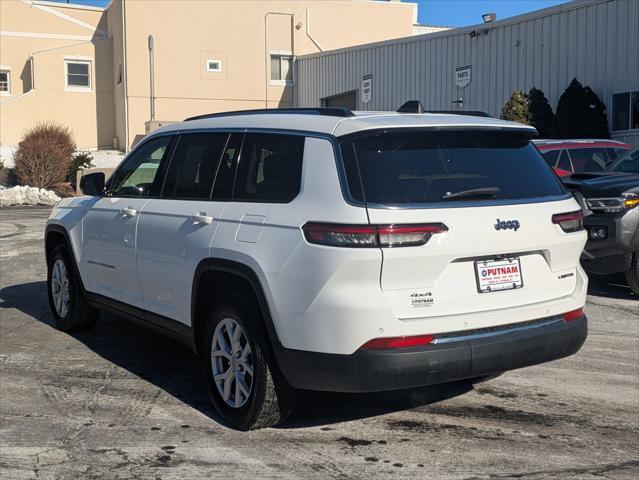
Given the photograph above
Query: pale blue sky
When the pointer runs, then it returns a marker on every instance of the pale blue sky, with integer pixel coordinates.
(454, 13)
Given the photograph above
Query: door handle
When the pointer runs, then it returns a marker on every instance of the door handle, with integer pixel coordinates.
(128, 212)
(201, 218)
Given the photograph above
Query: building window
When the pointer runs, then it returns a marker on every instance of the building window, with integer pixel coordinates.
(5, 81)
(78, 74)
(281, 69)
(625, 111)
(214, 65)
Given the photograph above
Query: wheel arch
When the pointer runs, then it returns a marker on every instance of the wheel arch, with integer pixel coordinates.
(210, 269)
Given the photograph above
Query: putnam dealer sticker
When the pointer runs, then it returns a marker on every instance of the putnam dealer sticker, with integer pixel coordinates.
(421, 299)
(496, 275)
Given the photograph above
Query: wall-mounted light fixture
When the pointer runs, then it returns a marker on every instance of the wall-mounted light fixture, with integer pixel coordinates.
(489, 17)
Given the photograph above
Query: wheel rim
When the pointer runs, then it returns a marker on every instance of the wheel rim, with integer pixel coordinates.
(60, 288)
(232, 363)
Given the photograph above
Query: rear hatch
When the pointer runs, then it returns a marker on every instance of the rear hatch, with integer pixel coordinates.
(468, 221)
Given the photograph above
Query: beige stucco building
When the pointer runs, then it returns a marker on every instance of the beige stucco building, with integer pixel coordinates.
(90, 68)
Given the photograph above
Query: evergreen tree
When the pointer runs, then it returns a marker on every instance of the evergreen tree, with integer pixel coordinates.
(580, 113)
(516, 108)
(597, 120)
(541, 114)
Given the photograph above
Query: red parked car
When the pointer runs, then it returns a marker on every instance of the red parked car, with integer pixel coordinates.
(582, 155)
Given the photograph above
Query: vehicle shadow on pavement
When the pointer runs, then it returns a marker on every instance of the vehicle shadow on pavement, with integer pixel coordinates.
(610, 286)
(174, 369)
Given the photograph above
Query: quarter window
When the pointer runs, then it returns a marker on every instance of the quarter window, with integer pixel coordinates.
(139, 175)
(78, 74)
(625, 111)
(270, 168)
(281, 68)
(5, 82)
(194, 164)
(551, 157)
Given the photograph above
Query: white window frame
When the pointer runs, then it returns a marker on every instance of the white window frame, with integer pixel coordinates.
(282, 54)
(76, 88)
(213, 70)
(612, 112)
(7, 70)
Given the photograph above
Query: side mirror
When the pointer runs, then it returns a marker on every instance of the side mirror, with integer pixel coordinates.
(93, 184)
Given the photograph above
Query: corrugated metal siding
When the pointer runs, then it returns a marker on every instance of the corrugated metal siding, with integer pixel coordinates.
(596, 41)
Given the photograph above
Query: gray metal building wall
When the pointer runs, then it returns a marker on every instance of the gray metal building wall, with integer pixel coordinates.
(596, 41)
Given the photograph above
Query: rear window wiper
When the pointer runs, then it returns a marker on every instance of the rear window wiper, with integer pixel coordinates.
(475, 192)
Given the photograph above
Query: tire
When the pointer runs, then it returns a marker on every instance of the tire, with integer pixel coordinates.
(70, 309)
(632, 275)
(270, 399)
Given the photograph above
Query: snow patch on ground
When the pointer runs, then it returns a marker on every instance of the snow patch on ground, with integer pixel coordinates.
(101, 158)
(106, 158)
(27, 196)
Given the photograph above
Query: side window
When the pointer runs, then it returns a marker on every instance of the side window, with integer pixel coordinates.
(223, 188)
(193, 165)
(564, 161)
(588, 159)
(139, 176)
(270, 168)
(551, 157)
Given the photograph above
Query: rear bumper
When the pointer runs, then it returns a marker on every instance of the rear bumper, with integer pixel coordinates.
(614, 254)
(450, 357)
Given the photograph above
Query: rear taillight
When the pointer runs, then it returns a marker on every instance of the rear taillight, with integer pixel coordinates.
(569, 222)
(397, 342)
(573, 315)
(337, 235)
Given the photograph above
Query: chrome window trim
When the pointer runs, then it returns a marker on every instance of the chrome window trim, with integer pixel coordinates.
(494, 333)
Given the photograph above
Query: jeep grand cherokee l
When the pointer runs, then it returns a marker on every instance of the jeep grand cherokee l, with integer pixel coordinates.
(323, 249)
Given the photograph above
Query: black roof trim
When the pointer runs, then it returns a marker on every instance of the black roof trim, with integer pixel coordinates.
(329, 112)
(467, 113)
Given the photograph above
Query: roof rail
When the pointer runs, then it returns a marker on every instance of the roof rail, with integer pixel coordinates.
(468, 113)
(330, 112)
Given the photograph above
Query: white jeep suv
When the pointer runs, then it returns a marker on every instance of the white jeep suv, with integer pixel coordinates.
(323, 249)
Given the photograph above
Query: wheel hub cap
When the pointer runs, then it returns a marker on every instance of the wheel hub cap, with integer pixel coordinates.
(232, 363)
(60, 291)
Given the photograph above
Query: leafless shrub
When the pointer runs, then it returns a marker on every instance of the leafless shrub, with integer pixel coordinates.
(44, 155)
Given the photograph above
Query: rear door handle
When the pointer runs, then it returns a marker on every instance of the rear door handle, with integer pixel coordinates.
(201, 218)
(128, 212)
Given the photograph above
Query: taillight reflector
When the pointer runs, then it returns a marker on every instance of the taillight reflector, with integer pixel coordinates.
(569, 222)
(397, 342)
(573, 315)
(338, 235)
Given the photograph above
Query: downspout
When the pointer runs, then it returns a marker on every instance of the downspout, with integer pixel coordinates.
(266, 55)
(124, 80)
(151, 77)
(308, 31)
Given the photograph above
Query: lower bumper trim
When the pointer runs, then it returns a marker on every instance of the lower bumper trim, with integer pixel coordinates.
(450, 357)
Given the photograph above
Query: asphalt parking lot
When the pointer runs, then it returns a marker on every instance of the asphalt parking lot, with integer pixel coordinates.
(121, 402)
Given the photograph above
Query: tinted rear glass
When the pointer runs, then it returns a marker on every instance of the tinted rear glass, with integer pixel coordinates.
(427, 166)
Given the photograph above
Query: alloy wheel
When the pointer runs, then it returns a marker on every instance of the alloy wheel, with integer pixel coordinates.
(232, 363)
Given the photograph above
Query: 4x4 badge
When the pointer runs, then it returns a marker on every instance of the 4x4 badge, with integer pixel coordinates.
(507, 225)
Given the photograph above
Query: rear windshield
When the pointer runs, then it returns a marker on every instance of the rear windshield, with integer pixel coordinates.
(446, 166)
